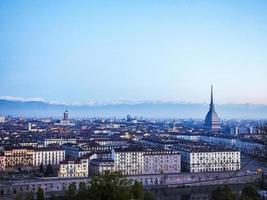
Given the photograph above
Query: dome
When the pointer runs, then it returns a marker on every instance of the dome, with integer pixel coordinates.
(212, 118)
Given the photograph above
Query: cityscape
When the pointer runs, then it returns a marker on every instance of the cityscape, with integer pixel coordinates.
(53, 153)
(93, 108)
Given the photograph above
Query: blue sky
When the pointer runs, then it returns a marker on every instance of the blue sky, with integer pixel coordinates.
(76, 51)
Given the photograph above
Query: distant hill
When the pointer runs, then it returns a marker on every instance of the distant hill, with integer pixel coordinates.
(142, 109)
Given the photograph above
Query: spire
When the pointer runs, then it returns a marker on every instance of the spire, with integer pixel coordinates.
(212, 121)
(211, 98)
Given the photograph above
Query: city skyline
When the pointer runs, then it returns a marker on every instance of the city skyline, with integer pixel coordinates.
(82, 51)
(133, 100)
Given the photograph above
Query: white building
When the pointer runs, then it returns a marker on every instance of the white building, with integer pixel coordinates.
(209, 159)
(249, 147)
(139, 161)
(74, 168)
(59, 141)
(99, 166)
(162, 162)
(2, 119)
(33, 128)
(111, 142)
(128, 161)
(28, 144)
(48, 155)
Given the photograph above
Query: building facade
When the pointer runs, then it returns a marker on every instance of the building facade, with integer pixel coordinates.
(49, 155)
(249, 147)
(197, 160)
(2, 119)
(59, 141)
(99, 166)
(2, 162)
(139, 161)
(128, 161)
(74, 168)
(161, 162)
(18, 157)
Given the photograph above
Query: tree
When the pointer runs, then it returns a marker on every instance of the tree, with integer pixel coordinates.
(19, 196)
(49, 170)
(70, 193)
(111, 186)
(137, 190)
(40, 194)
(149, 196)
(223, 193)
(41, 170)
(249, 193)
(82, 193)
(29, 196)
(52, 197)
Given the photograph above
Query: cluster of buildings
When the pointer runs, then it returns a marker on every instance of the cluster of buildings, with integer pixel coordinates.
(65, 121)
(27, 158)
(199, 157)
(146, 150)
(152, 155)
(203, 158)
(136, 161)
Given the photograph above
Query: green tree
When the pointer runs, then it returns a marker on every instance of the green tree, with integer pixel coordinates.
(223, 193)
(244, 198)
(29, 196)
(138, 190)
(49, 170)
(110, 186)
(70, 193)
(41, 170)
(40, 194)
(249, 193)
(19, 196)
(82, 193)
(149, 196)
(52, 197)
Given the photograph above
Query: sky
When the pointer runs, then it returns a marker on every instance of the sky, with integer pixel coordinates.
(168, 50)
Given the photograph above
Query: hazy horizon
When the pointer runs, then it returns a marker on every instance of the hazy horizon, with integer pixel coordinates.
(115, 101)
(159, 110)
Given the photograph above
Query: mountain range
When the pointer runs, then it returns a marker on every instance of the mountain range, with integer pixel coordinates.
(38, 108)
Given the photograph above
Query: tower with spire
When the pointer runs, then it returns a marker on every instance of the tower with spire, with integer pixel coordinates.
(66, 115)
(212, 121)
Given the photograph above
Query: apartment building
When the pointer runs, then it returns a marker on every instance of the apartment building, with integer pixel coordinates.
(59, 141)
(2, 162)
(161, 162)
(99, 166)
(131, 161)
(48, 155)
(207, 158)
(74, 168)
(18, 157)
